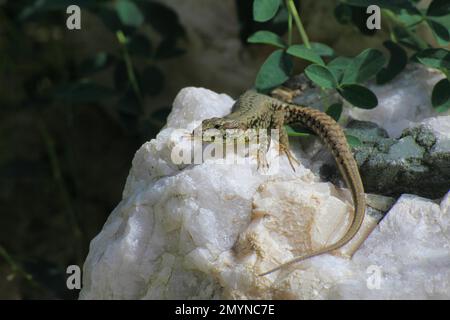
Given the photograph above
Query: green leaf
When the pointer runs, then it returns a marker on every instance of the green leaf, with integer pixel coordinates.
(335, 111)
(404, 38)
(322, 49)
(408, 18)
(297, 133)
(264, 10)
(435, 58)
(353, 141)
(364, 66)
(440, 97)
(396, 64)
(358, 96)
(152, 80)
(266, 37)
(439, 8)
(445, 21)
(440, 31)
(338, 65)
(280, 20)
(274, 71)
(302, 52)
(321, 76)
(129, 14)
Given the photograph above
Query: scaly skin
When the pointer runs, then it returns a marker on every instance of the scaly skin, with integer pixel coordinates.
(257, 111)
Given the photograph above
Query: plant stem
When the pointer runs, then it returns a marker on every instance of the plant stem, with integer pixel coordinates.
(293, 11)
(126, 56)
(289, 25)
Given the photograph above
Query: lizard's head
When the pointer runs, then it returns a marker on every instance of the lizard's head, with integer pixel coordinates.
(219, 124)
(219, 127)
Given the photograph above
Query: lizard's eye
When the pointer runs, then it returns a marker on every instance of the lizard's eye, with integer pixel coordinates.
(217, 126)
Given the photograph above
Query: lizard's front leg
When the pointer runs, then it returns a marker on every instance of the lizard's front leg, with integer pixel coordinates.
(263, 146)
(284, 139)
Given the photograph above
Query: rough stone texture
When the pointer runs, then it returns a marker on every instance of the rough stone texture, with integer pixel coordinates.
(417, 162)
(206, 231)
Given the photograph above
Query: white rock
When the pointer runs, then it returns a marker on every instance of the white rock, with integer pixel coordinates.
(440, 126)
(205, 231)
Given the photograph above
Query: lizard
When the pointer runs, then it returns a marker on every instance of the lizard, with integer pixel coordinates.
(253, 110)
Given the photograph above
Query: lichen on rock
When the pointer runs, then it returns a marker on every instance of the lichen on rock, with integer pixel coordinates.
(408, 164)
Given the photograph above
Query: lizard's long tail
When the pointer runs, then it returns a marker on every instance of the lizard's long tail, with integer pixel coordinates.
(333, 136)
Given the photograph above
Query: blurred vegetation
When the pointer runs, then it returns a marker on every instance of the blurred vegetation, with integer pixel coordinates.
(71, 119)
(348, 76)
(146, 31)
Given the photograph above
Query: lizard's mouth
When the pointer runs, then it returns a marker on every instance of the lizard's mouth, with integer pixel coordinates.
(213, 134)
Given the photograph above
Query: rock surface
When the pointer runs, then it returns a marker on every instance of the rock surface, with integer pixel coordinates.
(417, 162)
(205, 231)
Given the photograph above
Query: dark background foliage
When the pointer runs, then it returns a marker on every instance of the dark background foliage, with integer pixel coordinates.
(72, 115)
